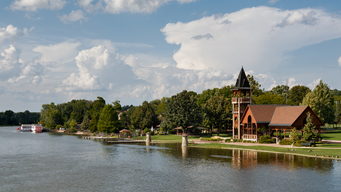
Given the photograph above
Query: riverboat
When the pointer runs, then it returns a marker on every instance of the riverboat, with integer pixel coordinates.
(35, 128)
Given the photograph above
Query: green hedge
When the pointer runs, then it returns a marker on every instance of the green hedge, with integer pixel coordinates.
(266, 139)
(285, 142)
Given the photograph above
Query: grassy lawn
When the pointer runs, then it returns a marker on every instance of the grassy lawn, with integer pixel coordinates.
(301, 151)
(332, 135)
(177, 137)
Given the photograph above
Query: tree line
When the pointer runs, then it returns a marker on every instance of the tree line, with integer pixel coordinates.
(212, 109)
(11, 118)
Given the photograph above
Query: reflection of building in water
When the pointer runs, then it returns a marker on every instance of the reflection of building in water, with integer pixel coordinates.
(244, 158)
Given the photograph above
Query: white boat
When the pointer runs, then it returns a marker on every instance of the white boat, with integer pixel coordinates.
(35, 128)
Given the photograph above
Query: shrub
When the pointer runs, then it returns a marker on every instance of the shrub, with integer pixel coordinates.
(285, 142)
(318, 142)
(234, 140)
(239, 140)
(152, 133)
(266, 139)
(212, 139)
(227, 140)
(299, 143)
(146, 130)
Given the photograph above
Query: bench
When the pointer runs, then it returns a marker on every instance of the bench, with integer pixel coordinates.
(306, 144)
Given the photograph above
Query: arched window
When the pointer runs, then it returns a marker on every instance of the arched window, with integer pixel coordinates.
(249, 121)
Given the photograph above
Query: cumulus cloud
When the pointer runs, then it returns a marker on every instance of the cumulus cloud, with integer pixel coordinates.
(13, 69)
(99, 69)
(58, 53)
(131, 6)
(10, 63)
(314, 83)
(12, 33)
(34, 5)
(251, 38)
(207, 36)
(75, 15)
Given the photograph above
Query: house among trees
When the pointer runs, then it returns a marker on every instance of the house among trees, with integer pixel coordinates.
(251, 121)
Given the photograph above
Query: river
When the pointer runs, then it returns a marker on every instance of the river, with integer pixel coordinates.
(58, 162)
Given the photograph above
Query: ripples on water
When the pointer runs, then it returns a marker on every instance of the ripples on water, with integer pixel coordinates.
(57, 162)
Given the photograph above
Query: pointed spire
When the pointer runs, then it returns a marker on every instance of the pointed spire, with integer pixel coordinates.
(242, 80)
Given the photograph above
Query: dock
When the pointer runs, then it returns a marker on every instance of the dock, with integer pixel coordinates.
(111, 140)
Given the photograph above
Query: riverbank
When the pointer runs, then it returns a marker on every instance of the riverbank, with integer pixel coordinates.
(318, 152)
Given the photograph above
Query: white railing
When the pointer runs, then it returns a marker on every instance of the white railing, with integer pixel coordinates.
(249, 137)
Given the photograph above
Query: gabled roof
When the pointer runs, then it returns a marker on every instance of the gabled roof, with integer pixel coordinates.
(262, 113)
(242, 81)
(287, 115)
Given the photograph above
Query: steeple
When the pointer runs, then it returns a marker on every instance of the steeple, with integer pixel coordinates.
(242, 81)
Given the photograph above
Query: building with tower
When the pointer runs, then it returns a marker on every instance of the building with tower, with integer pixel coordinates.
(251, 121)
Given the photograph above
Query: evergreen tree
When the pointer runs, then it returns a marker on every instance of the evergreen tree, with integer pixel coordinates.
(338, 113)
(95, 112)
(86, 122)
(321, 102)
(294, 135)
(108, 120)
(255, 85)
(309, 128)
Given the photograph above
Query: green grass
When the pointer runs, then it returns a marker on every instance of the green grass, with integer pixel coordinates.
(177, 137)
(329, 145)
(332, 135)
(301, 151)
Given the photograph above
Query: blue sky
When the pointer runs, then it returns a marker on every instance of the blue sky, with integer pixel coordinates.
(136, 50)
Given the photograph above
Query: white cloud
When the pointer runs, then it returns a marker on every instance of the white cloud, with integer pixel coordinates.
(12, 33)
(13, 69)
(10, 63)
(314, 83)
(75, 15)
(256, 38)
(339, 61)
(122, 6)
(99, 69)
(34, 5)
(58, 53)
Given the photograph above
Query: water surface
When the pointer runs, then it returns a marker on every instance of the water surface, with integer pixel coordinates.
(57, 162)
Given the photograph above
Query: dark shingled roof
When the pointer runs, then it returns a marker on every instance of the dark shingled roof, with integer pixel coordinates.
(286, 116)
(242, 80)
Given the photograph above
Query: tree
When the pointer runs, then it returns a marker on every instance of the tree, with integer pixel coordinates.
(217, 110)
(254, 85)
(267, 98)
(117, 105)
(321, 102)
(338, 113)
(86, 122)
(294, 135)
(144, 116)
(309, 128)
(182, 110)
(96, 109)
(297, 93)
(281, 90)
(108, 120)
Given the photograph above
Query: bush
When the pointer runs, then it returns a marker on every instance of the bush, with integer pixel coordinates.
(212, 139)
(266, 139)
(285, 142)
(227, 140)
(152, 133)
(145, 130)
(299, 143)
(318, 142)
(235, 140)
(239, 140)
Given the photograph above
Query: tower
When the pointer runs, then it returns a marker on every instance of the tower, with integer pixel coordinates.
(241, 98)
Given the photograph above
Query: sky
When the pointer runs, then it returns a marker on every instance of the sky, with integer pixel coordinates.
(137, 50)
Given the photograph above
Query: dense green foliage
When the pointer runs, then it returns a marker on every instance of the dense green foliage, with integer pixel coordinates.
(309, 128)
(183, 111)
(338, 113)
(321, 102)
(294, 135)
(266, 139)
(144, 116)
(108, 120)
(285, 142)
(218, 111)
(10, 118)
(297, 93)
